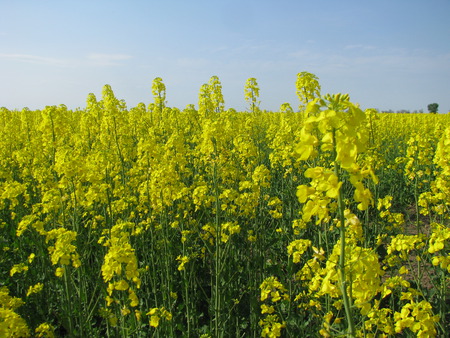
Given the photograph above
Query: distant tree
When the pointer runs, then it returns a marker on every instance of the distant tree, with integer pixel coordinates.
(433, 108)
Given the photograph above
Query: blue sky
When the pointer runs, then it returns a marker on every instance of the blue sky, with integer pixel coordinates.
(386, 54)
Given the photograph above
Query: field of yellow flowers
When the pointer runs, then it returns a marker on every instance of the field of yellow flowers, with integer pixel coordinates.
(156, 221)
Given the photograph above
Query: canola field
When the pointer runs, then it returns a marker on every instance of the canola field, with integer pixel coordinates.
(154, 221)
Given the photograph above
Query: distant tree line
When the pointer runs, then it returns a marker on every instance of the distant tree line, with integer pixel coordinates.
(403, 111)
(432, 108)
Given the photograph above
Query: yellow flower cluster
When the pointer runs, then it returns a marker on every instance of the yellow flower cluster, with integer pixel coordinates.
(45, 330)
(405, 243)
(156, 314)
(11, 323)
(63, 251)
(272, 290)
(438, 198)
(323, 188)
(297, 248)
(440, 241)
(394, 219)
(35, 289)
(418, 317)
(183, 261)
(271, 327)
(120, 262)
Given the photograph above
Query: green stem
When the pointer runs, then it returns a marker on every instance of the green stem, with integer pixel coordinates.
(218, 251)
(68, 300)
(186, 282)
(342, 275)
(416, 206)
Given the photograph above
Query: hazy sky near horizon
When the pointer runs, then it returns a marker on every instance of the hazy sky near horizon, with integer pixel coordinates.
(387, 54)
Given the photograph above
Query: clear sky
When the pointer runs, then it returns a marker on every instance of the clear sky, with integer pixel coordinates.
(387, 54)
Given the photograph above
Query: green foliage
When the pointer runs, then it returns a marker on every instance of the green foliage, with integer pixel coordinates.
(433, 108)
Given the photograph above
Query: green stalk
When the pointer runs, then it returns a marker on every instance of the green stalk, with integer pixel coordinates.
(342, 275)
(167, 267)
(217, 256)
(68, 300)
(218, 251)
(186, 283)
(119, 151)
(188, 303)
(345, 298)
(416, 202)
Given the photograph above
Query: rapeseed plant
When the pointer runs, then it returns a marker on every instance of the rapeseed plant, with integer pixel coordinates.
(213, 222)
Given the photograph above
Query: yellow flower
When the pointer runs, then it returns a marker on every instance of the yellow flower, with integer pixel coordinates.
(156, 314)
(120, 253)
(261, 176)
(362, 195)
(271, 327)
(270, 289)
(405, 243)
(31, 258)
(319, 254)
(333, 186)
(439, 237)
(125, 311)
(228, 229)
(11, 323)
(18, 268)
(303, 192)
(59, 272)
(267, 309)
(403, 270)
(45, 330)
(297, 248)
(121, 285)
(183, 261)
(138, 315)
(251, 237)
(35, 288)
(418, 317)
(63, 250)
(154, 320)
(134, 300)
